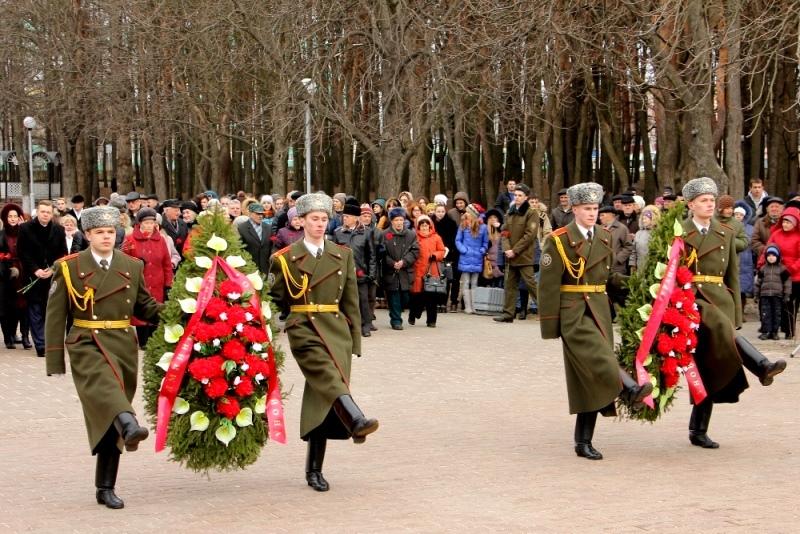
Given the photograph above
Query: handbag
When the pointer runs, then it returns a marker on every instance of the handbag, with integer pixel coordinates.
(434, 284)
(487, 267)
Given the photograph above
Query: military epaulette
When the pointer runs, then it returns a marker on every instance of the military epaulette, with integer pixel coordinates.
(69, 257)
(281, 251)
(559, 231)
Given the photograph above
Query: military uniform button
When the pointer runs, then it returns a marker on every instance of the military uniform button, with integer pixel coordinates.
(336, 300)
(340, 273)
(128, 301)
(97, 331)
(125, 317)
(94, 317)
(83, 274)
(128, 287)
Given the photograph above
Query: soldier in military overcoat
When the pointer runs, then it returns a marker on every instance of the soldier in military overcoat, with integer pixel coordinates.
(316, 280)
(100, 289)
(720, 353)
(576, 265)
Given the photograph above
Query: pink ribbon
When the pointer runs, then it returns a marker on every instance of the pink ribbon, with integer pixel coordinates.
(171, 384)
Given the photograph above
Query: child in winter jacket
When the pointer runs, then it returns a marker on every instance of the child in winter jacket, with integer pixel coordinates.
(773, 289)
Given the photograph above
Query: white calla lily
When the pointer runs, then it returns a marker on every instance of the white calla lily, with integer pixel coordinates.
(204, 262)
(236, 261)
(266, 310)
(165, 360)
(193, 284)
(245, 417)
(225, 432)
(172, 333)
(218, 244)
(188, 305)
(199, 421)
(269, 332)
(255, 279)
(261, 405)
(181, 406)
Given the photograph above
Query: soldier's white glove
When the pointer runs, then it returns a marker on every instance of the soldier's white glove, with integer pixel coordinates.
(14, 272)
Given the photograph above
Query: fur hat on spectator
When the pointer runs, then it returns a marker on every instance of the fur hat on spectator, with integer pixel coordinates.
(725, 201)
(397, 212)
(699, 186)
(146, 213)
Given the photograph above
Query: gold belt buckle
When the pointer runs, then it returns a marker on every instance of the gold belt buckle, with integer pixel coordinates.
(107, 325)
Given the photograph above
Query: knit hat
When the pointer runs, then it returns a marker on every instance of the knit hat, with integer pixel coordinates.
(380, 202)
(639, 201)
(366, 209)
(472, 210)
(440, 199)
(790, 217)
(725, 201)
(341, 197)
(99, 217)
(699, 186)
(267, 198)
(461, 195)
(773, 249)
(291, 214)
(739, 209)
(421, 219)
(396, 212)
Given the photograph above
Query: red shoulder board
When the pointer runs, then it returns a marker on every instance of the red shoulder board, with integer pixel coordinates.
(560, 231)
(70, 256)
(281, 251)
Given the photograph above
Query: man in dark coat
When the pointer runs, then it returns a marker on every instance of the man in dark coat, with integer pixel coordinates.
(629, 218)
(100, 289)
(561, 215)
(173, 224)
(575, 269)
(519, 233)
(41, 242)
(316, 279)
(353, 235)
(77, 208)
(400, 250)
(720, 353)
(256, 236)
(506, 198)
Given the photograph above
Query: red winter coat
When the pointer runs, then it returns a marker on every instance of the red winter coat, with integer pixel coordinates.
(427, 245)
(153, 251)
(789, 245)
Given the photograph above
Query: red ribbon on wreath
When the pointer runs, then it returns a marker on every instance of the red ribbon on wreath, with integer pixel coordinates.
(171, 384)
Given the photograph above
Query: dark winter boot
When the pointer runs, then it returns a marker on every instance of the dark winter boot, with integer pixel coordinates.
(128, 428)
(316, 455)
(106, 478)
(698, 425)
(632, 393)
(353, 419)
(757, 363)
(584, 430)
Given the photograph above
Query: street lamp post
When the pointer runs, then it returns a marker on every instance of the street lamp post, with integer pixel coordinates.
(30, 124)
(311, 87)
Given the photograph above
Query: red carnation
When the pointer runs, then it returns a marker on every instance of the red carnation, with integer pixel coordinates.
(206, 368)
(229, 286)
(215, 307)
(236, 315)
(254, 334)
(256, 365)
(228, 407)
(216, 388)
(663, 344)
(683, 276)
(680, 342)
(389, 236)
(244, 388)
(234, 350)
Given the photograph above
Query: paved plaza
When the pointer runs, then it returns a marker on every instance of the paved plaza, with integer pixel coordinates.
(475, 436)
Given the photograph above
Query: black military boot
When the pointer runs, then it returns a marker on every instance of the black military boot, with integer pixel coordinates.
(105, 478)
(632, 393)
(314, 459)
(354, 419)
(128, 428)
(584, 430)
(757, 363)
(698, 425)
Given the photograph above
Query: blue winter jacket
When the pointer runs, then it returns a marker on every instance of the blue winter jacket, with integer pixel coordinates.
(472, 249)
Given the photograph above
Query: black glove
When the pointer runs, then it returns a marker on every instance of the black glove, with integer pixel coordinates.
(433, 257)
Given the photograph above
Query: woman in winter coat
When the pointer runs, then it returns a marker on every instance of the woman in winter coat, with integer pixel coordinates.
(75, 239)
(648, 220)
(293, 231)
(472, 242)
(13, 309)
(787, 238)
(742, 213)
(431, 252)
(147, 244)
(447, 230)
